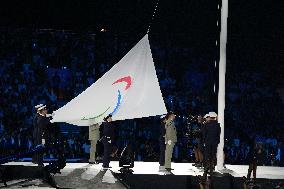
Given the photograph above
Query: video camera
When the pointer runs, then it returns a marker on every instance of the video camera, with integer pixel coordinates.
(192, 119)
(193, 127)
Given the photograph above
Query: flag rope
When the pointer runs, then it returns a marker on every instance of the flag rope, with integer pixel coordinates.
(153, 16)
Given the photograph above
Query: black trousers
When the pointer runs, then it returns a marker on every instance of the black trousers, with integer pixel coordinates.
(252, 168)
(107, 152)
(210, 151)
(37, 156)
(210, 157)
(162, 153)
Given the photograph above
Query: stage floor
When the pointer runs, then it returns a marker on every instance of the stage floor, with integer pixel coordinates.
(179, 169)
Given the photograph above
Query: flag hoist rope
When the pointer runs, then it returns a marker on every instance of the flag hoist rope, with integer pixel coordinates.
(153, 16)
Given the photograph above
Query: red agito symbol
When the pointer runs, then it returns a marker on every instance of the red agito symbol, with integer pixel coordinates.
(126, 79)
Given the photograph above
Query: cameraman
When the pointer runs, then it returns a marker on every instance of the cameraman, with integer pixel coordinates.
(195, 125)
(198, 142)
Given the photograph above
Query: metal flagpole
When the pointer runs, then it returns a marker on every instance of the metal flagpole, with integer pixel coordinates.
(222, 73)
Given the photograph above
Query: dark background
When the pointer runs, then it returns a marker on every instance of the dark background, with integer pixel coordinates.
(255, 27)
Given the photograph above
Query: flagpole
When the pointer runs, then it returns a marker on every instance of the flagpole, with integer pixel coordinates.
(222, 73)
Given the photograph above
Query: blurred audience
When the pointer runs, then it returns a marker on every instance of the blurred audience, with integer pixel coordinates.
(52, 67)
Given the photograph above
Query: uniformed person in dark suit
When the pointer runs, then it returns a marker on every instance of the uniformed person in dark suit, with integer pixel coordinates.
(108, 137)
(39, 133)
(162, 144)
(34, 159)
(211, 137)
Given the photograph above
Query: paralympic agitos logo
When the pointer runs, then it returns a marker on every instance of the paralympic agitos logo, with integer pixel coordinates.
(128, 81)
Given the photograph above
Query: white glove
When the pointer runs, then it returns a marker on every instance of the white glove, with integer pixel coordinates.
(169, 142)
(109, 141)
(43, 141)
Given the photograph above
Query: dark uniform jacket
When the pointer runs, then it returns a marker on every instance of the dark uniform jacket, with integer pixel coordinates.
(40, 127)
(35, 125)
(108, 130)
(43, 123)
(162, 132)
(211, 132)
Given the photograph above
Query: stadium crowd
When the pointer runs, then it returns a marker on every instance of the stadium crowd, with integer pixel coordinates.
(52, 67)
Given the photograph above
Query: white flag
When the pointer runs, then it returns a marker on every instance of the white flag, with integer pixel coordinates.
(130, 89)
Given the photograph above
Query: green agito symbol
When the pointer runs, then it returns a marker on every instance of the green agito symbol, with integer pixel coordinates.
(126, 79)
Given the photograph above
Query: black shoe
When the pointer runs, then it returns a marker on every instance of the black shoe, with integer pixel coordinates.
(169, 169)
(198, 165)
(168, 173)
(195, 164)
(94, 162)
(41, 164)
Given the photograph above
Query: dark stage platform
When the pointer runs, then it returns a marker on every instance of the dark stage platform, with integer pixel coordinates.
(84, 175)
